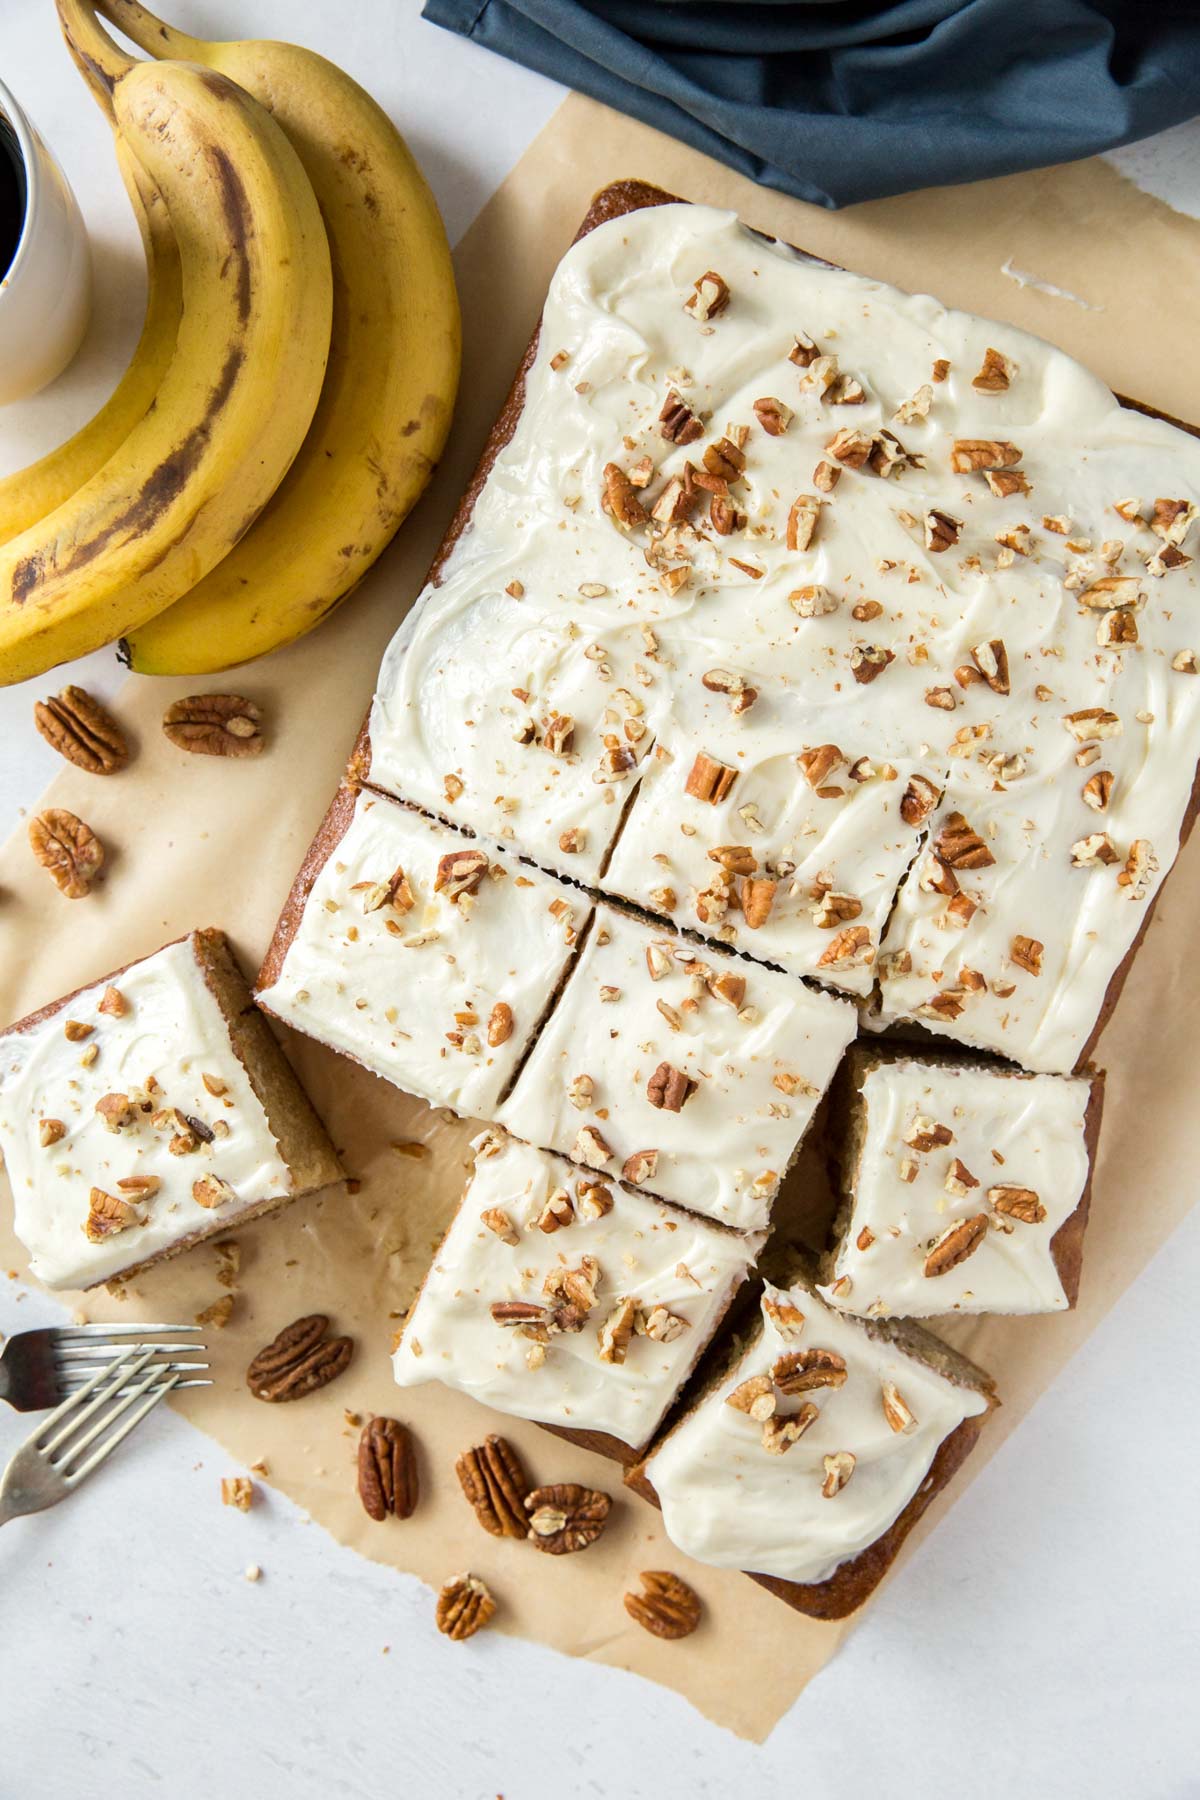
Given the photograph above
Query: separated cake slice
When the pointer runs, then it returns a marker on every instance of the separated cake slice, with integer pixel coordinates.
(147, 1112)
(426, 956)
(568, 1298)
(965, 1187)
(687, 1071)
(814, 1450)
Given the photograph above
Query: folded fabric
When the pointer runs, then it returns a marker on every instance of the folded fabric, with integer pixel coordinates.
(837, 101)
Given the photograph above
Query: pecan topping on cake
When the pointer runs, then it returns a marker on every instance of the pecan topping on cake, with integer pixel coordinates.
(460, 872)
(620, 499)
(566, 1517)
(722, 681)
(1141, 866)
(710, 296)
(212, 1191)
(1089, 852)
(802, 520)
(640, 1167)
(738, 859)
(725, 459)
(867, 661)
(941, 531)
(819, 764)
(826, 476)
(677, 422)
(975, 455)
(755, 1396)
(1017, 1203)
(498, 1220)
(1006, 482)
(494, 1482)
(594, 1198)
(924, 1134)
(991, 659)
(500, 1024)
(773, 416)
(956, 1243)
(591, 1149)
(559, 735)
(1097, 790)
(667, 1608)
(919, 799)
(107, 1215)
(804, 352)
(960, 847)
(995, 374)
(709, 779)
(896, 1409)
(850, 946)
(557, 1212)
(838, 1469)
(803, 1371)
(669, 1088)
(782, 1431)
(1027, 952)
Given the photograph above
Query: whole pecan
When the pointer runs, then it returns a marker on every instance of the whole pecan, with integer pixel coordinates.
(464, 1606)
(68, 849)
(387, 1470)
(299, 1361)
(215, 725)
(83, 731)
(958, 1242)
(494, 1482)
(799, 1371)
(668, 1608)
(566, 1517)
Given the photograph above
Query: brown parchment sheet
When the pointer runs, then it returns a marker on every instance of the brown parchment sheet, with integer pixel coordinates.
(200, 841)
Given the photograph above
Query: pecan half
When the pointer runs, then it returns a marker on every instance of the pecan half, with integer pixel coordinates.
(68, 849)
(387, 1470)
(214, 725)
(464, 1607)
(669, 1088)
(959, 847)
(802, 1371)
(667, 1608)
(107, 1215)
(971, 455)
(493, 1480)
(954, 1246)
(566, 1517)
(299, 1361)
(79, 728)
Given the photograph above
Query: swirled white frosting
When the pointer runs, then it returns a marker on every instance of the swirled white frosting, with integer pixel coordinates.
(759, 1060)
(655, 1255)
(1010, 1132)
(172, 1032)
(545, 595)
(728, 1500)
(412, 994)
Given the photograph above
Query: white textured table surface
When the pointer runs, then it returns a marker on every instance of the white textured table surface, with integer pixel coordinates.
(1045, 1641)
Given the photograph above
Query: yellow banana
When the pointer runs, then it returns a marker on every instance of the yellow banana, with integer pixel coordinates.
(30, 494)
(393, 367)
(242, 385)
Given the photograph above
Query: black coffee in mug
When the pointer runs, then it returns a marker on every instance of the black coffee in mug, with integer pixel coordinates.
(12, 195)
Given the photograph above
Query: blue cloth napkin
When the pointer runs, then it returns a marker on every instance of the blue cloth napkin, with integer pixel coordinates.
(843, 100)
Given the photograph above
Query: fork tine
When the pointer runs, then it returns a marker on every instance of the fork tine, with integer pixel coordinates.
(79, 1442)
(75, 1353)
(96, 1334)
(110, 1443)
(68, 1414)
(73, 1384)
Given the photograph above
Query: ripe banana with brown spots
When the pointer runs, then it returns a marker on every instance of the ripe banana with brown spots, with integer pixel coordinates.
(393, 368)
(241, 387)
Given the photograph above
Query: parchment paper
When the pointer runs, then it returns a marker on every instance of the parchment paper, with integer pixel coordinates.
(198, 841)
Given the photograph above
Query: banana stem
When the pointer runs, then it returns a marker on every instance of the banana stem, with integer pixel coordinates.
(151, 34)
(98, 58)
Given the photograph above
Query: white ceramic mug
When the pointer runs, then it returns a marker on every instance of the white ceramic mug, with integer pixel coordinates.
(45, 292)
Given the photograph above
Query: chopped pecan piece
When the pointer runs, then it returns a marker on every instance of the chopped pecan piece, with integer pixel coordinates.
(941, 531)
(812, 601)
(820, 763)
(994, 375)
(1171, 519)
(853, 945)
(773, 416)
(991, 659)
(640, 1167)
(1097, 790)
(1124, 591)
(896, 1409)
(925, 1134)
(301, 1359)
(804, 1371)
(464, 1607)
(1141, 866)
(566, 1517)
(725, 459)
(826, 476)
(107, 1215)
(616, 1333)
(956, 1243)
(782, 1431)
(919, 799)
(461, 872)
(50, 1131)
(214, 725)
(836, 909)
(1027, 952)
(1004, 483)
(850, 447)
(387, 1470)
(709, 779)
(500, 1024)
(591, 1148)
(620, 499)
(67, 849)
(754, 1396)
(594, 1198)
(867, 661)
(83, 731)
(737, 859)
(722, 681)
(1092, 722)
(976, 455)
(661, 1324)
(1017, 1203)
(115, 1111)
(559, 735)
(709, 298)
(211, 1191)
(1091, 851)
(758, 897)
(960, 847)
(838, 1469)
(669, 1088)
(557, 1212)
(803, 515)
(803, 351)
(495, 1483)
(785, 1315)
(500, 1222)
(668, 1607)
(677, 422)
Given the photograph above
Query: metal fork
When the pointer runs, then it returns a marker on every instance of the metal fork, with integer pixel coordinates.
(40, 1368)
(78, 1436)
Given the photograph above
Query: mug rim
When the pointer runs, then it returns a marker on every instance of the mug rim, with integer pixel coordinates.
(23, 131)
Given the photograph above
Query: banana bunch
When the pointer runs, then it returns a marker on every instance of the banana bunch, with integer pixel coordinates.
(293, 384)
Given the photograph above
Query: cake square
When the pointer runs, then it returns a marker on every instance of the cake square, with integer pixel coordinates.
(814, 1450)
(685, 1070)
(424, 955)
(148, 1112)
(566, 1297)
(965, 1187)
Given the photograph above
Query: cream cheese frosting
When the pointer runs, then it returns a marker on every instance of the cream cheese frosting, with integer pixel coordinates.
(645, 1285)
(426, 956)
(949, 551)
(691, 1072)
(142, 1099)
(939, 1149)
(800, 1513)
